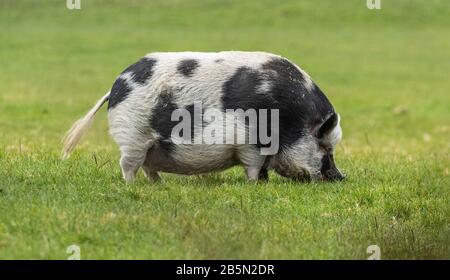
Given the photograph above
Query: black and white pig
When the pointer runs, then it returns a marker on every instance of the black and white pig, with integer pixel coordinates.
(145, 96)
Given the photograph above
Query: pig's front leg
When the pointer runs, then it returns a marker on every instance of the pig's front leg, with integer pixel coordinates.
(254, 163)
(252, 172)
(263, 174)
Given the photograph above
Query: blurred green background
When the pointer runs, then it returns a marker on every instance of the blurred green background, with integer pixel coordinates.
(385, 71)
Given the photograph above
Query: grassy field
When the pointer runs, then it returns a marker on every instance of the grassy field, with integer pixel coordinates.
(386, 72)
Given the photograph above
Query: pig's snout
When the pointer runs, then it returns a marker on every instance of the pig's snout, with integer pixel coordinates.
(333, 175)
(329, 170)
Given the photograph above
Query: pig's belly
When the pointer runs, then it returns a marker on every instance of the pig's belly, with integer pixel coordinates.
(192, 159)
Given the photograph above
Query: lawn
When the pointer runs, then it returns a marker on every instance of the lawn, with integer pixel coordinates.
(385, 71)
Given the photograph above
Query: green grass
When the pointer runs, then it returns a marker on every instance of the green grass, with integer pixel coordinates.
(386, 72)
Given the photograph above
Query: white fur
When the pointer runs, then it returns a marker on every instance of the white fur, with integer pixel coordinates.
(80, 127)
(335, 135)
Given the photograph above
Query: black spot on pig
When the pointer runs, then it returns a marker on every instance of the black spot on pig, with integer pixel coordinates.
(240, 89)
(300, 109)
(161, 122)
(187, 67)
(160, 119)
(142, 70)
(286, 71)
(195, 122)
(119, 92)
(241, 92)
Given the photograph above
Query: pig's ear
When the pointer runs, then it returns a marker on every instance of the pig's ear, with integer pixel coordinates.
(327, 126)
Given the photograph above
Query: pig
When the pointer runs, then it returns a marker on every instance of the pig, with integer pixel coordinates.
(145, 98)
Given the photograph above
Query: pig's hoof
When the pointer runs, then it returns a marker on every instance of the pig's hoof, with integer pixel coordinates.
(263, 176)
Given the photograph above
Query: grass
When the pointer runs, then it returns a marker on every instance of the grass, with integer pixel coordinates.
(386, 72)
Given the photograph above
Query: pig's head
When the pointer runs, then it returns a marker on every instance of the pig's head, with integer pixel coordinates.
(311, 156)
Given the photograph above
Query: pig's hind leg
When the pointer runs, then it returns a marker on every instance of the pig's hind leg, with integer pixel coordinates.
(149, 171)
(132, 158)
